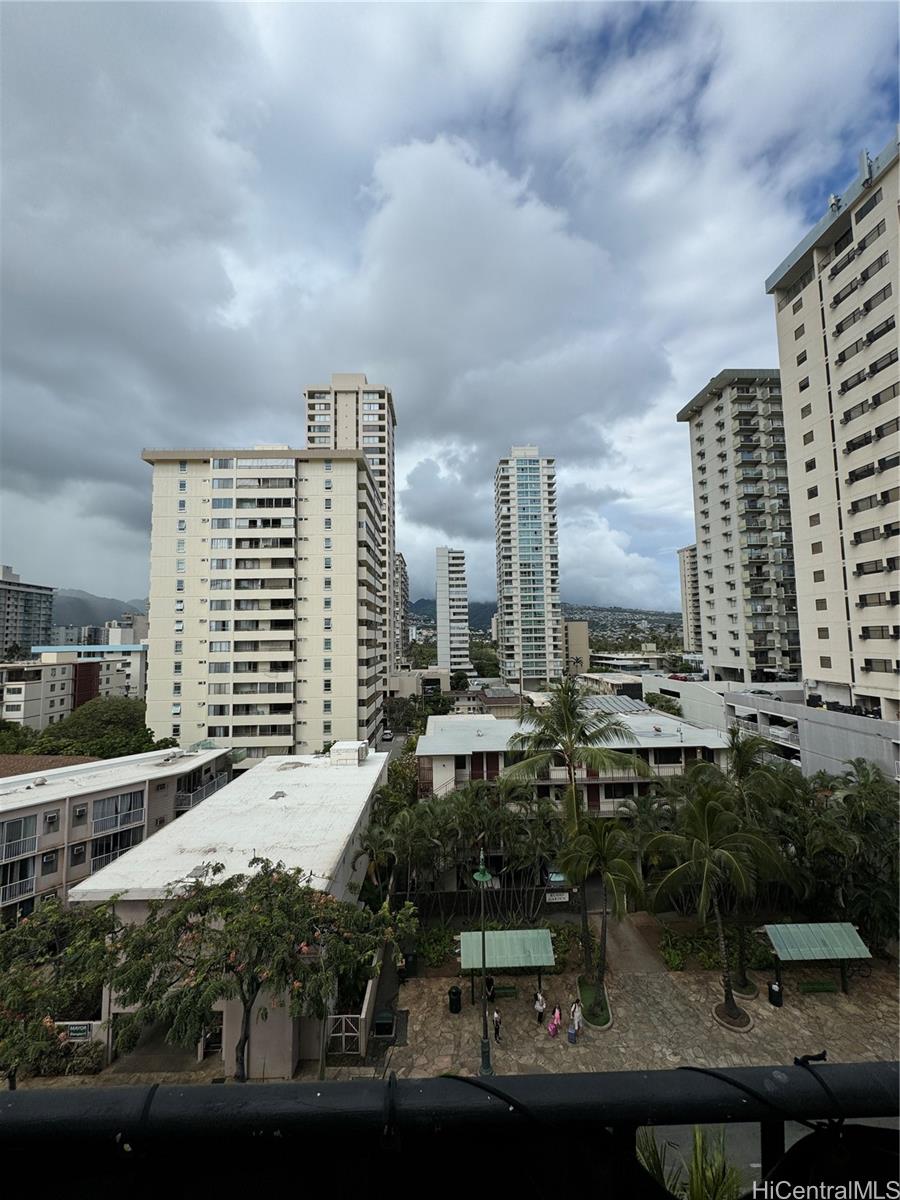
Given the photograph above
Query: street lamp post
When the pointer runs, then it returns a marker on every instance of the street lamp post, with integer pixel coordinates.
(483, 878)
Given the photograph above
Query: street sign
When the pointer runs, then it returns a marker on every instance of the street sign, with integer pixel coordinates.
(79, 1032)
(557, 897)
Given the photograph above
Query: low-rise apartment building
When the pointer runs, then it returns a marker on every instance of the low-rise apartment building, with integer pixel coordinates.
(456, 750)
(305, 811)
(59, 826)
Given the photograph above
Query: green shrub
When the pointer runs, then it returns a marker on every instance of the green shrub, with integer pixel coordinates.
(86, 1058)
(673, 958)
(435, 945)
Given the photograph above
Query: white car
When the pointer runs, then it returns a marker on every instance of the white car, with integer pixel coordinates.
(387, 736)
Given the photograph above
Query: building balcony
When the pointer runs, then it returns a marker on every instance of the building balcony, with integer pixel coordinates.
(17, 890)
(118, 821)
(186, 800)
(20, 848)
(103, 860)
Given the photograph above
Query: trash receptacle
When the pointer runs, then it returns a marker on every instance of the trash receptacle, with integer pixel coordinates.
(455, 995)
(775, 997)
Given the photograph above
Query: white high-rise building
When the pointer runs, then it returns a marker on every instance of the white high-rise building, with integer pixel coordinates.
(265, 593)
(692, 635)
(452, 610)
(836, 304)
(353, 414)
(529, 614)
(743, 517)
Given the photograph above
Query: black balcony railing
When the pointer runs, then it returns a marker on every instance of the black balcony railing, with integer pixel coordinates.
(442, 1136)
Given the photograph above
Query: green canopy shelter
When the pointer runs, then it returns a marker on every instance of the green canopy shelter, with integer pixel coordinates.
(830, 941)
(510, 948)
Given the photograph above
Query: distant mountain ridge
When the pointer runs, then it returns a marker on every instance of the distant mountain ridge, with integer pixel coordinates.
(72, 607)
(481, 611)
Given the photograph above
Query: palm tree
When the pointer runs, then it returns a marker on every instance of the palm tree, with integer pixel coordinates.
(600, 847)
(714, 851)
(375, 843)
(644, 817)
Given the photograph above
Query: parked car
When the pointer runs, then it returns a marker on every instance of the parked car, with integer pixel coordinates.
(387, 736)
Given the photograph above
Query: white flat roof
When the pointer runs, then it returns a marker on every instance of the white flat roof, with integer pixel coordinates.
(60, 783)
(300, 810)
(474, 734)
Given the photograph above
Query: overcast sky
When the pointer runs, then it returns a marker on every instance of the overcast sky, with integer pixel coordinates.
(537, 223)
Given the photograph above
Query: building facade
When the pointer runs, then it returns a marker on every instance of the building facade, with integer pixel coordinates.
(576, 646)
(835, 301)
(529, 614)
(26, 613)
(265, 598)
(691, 630)
(452, 610)
(742, 511)
(353, 414)
(45, 691)
(401, 609)
(59, 826)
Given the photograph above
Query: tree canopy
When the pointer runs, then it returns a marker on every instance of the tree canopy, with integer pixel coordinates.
(107, 727)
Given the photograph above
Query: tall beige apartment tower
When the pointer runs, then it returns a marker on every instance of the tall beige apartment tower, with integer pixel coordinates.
(401, 609)
(576, 646)
(748, 608)
(529, 614)
(353, 414)
(452, 610)
(836, 302)
(692, 634)
(265, 595)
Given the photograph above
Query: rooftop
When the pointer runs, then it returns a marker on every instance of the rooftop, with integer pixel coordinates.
(103, 648)
(27, 764)
(82, 775)
(465, 734)
(300, 810)
(721, 381)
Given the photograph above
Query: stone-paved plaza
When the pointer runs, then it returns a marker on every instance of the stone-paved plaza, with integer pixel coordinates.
(660, 1020)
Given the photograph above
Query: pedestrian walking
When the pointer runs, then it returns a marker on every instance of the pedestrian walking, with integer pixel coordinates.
(576, 1016)
(555, 1022)
(489, 989)
(498, 1020)
(540, 1006)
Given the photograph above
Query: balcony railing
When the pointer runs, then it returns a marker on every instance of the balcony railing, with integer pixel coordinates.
(776, 733)
(186, 800)
(134, 816)
(15, 891)
(103, 860)
(20, 848)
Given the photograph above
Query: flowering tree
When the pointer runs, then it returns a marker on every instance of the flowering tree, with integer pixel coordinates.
(264, 936)
(53, 965)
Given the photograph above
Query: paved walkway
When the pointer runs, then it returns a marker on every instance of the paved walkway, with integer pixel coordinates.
(628, 951)
(660, 1020)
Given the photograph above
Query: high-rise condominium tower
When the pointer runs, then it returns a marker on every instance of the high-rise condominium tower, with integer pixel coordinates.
(692, 635)
(401, 609)
(528, 605)
(353, 414)
(26, 614)
(836, 302)
(743, 517)
(265, 592)
(452, 605)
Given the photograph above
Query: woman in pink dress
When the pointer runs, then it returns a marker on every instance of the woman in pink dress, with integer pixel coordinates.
(555, 1022)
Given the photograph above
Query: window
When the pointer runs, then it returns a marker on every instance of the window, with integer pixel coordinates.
(806, 410)
(182, 464)
(821, 605)
(79, 814)
(176, 710)
(328, 522)
(327, 503)
(220, 585)
(818, 576)
(219, 647)
(220, 668)
(179, 546)
(797, 305)
(177, 647)
(801, 358)
(182, 485)
(808, 437)
(326, 664)
(326, 706)
(867, 535)
(176, 689)
(221, 523)
(823, 633)
(218, 710)
(327, 564)
(326, 685)
(804, 383)
(176, 730)
(326, 465)
(179, 564)
(799, 332)
(179, 586)
(327, 624)
(326, 644)
(176, 668)
(327, 543)
(222, 502)
(182, 505)
(219, 605)
(815, 519)
(825, 661)
(221, 543)
(220, 626)
(812, 492)
(816, 548)
(217, 731)
(222, 482)
(222, 464)
(370, 439)
(810, 464)
(182, 526)
(328, 485)
(326, 727)
(77, 854)
(221, 564)
(179, 626)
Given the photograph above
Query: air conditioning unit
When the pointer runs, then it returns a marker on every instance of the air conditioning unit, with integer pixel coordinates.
(48, 858)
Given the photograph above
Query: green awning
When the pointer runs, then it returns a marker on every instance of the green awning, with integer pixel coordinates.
(507, 948)
(815, 942)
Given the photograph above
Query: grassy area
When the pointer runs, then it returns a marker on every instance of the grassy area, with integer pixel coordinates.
(593, 1001)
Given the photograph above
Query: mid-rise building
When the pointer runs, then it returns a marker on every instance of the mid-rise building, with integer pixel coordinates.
(452, 610)
(692, 634)
(353, 414)
(45, 691)
(130, 628)
(742, 511)
(265, 594)
(835, 300)
(59, 826)
(528, 605)
(576, 646)
(26, 613)
(401, 609)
